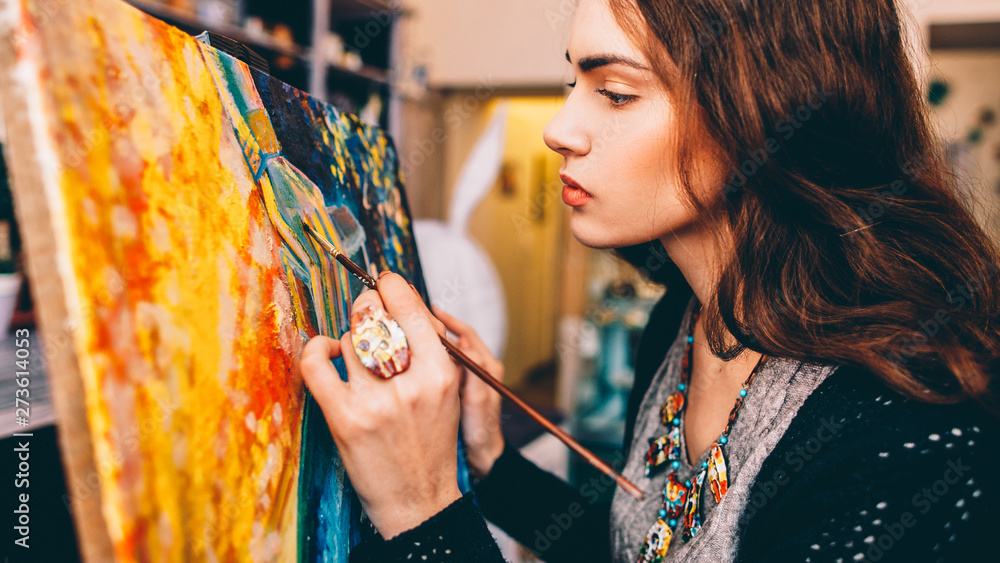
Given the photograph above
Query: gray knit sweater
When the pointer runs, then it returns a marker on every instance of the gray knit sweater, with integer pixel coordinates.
(841, 468)
(773, 398)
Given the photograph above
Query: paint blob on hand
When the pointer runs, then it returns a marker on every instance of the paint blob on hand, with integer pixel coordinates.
(379, 342)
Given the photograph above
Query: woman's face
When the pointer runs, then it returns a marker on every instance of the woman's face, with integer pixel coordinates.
(615, 135)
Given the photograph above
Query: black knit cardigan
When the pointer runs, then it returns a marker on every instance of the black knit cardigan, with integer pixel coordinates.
(861, 474)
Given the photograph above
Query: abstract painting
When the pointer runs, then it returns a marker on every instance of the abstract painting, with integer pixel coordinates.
(162, 187)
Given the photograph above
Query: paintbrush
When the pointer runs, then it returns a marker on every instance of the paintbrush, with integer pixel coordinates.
(475, 368)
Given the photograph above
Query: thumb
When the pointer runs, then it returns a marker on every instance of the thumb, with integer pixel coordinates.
(319, 374)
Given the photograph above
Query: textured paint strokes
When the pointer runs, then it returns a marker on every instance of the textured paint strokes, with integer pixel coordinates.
(183, 334)
(318, 153)
(185, 177)
(321, 291)
(341, 156)
(329, 514)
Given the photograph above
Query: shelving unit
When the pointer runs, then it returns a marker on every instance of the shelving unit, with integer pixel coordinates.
(187, 20)
(355, 8)
(304, 62)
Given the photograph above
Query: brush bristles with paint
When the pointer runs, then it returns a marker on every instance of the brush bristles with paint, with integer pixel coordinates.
(481, 372)
(343, 259)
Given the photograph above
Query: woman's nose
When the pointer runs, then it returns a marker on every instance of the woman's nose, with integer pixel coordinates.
(566, 132)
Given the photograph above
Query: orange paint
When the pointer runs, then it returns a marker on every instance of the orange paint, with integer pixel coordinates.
(194, 404)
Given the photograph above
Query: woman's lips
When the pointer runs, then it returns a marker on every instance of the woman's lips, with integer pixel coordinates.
(575, 197)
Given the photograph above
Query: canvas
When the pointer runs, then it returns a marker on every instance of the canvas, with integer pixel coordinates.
(162, 187)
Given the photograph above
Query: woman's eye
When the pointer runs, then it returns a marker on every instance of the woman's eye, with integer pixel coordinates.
(616, 98)
(571, 84)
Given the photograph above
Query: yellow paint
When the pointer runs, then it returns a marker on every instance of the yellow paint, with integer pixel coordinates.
(177, 272)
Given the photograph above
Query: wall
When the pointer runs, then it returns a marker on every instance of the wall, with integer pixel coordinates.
(974, 77)
(923, 13)
(523, 230)
(974, 81)
(464, 43)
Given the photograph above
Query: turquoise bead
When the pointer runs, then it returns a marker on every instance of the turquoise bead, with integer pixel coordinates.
(743, 392)
(673, 522)
(662, 513)
(704, 464)
(690, 339)
(723, 440)
(675, 464)
(681, 386)
(677, 421)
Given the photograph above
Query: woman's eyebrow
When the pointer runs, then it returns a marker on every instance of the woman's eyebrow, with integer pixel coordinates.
(592, 62)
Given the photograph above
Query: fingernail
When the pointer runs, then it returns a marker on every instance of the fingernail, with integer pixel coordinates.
(383, 273)
(413, 287)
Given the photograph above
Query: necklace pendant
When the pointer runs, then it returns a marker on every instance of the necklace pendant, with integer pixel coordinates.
(672, 407)
(692, 508)
(674, 495)
(674, 444)
(718, 478)
(654, 547)
(663, 449)
(656, 455)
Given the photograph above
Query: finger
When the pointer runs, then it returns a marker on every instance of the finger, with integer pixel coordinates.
(319, 374)
(468, 339)
(359, 375)
(464, 331)
(368, 298)
(403, 304)
(438, 325)
(451, 323)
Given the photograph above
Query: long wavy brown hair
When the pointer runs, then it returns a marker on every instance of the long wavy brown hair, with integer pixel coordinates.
(849, 244)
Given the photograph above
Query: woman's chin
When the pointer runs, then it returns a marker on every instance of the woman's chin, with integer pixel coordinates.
(594, 236)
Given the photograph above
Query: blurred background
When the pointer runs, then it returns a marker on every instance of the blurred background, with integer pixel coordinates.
(465, 88)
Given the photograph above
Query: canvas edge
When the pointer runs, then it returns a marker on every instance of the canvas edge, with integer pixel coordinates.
(50, 292)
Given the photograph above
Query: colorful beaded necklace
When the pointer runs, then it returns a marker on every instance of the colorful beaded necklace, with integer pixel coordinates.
(684, 499)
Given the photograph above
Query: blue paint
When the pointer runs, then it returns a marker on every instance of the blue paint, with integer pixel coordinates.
(332, 167)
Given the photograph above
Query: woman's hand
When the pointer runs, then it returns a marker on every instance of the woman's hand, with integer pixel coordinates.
(480, 403)
(397, 437)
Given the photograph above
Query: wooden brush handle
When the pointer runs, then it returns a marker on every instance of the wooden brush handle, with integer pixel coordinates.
(475, 368)
(549, 425)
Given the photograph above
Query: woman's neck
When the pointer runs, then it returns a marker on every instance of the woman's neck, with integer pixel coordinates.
(695, 252)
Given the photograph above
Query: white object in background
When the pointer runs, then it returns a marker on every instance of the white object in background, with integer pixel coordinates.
(10, 284)
(460, 277)
(254, 28)
(218, 12)
(373, 110)
(352, 60)
(333, 48)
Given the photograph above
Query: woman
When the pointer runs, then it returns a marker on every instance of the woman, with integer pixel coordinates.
(816, 383)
